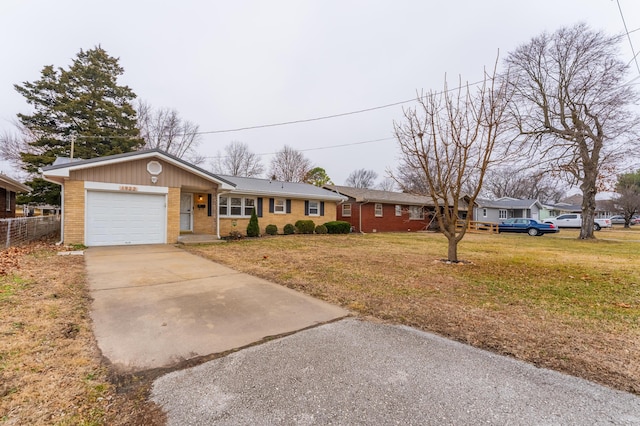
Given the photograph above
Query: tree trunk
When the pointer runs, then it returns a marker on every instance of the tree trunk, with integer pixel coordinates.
(588, 187)
(452, 253)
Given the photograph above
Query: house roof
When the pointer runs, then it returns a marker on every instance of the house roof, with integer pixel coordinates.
(363, 195)
(63, 166)
(509, 203)
(13, 185)
(269, 187)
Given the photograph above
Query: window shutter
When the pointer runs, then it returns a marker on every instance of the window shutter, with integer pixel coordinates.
(306, 208)
(259, 212)
(288, 206)
(209, 206)
(272, 203)
(321, 208)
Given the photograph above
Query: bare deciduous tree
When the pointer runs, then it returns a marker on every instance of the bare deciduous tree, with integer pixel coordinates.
(361, 178)
(289, 165)
(450, 138)
(163, 128)
(517, 183)
(387, 184)
(571, 103)
(237, 160)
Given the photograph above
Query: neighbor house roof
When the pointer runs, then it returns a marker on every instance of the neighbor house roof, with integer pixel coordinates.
(61, 168)
(274, 188)
(363, 195)
(12, 185)
(509, 203)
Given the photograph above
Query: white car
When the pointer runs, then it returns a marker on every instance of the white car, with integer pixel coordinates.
(574, 220)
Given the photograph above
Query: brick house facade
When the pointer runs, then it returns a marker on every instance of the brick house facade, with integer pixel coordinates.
(8, 189)
(370, 210)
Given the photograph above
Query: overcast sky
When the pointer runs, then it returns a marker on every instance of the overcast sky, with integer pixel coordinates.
(232, 64)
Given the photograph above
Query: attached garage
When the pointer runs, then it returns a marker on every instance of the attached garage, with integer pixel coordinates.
(135, 198)
(122, 218)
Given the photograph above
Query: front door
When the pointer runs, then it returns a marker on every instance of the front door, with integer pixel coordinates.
(186, 207)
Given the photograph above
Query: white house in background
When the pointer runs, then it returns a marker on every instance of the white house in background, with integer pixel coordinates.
(506, 208)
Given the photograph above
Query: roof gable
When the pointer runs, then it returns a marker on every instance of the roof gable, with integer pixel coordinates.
(12, 185)
(62, 167)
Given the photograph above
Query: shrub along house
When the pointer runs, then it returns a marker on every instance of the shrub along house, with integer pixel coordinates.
(8, 190)
(277, 203)
(151, 197)
(370, 210)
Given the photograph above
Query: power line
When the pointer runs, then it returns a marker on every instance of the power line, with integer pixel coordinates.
(635, 56)
(317, 148)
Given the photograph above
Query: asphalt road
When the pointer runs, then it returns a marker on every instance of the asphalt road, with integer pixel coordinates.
(361, 373)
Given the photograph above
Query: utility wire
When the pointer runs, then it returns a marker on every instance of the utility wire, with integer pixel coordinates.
(315, 149)
(305, 120)
(635, 56)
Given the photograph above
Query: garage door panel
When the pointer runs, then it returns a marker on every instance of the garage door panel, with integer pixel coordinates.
(120, 218)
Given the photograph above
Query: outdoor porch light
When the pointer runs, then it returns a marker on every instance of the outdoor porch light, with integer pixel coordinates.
(200, 198)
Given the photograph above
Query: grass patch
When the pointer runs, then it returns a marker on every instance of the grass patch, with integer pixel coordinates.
(554, 301)
(50, 366)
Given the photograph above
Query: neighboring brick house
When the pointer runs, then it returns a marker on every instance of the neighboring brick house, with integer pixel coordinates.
(276, 203)
(8, 189)
(371, 210)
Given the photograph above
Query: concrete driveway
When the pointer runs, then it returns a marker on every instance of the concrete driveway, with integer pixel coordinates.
(157, 305)
(351, 372)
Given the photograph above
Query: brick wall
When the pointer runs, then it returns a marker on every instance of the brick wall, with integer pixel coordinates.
(280, 220)
(202, 222)
(11, 211)
(173, 215)
(388, 222)
(74, 212)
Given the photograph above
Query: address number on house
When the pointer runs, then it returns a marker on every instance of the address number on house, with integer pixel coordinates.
(128, 188)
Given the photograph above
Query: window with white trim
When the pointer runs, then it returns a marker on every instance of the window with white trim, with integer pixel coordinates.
(398, 210)
(279, 206)
(378, 209)
(346, 210)
(416, 213)
(314, 208)
(502, 214)
(484, 212)
(236, 206)
(8, 200)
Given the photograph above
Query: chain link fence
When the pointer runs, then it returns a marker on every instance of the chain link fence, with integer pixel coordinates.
(14, 232)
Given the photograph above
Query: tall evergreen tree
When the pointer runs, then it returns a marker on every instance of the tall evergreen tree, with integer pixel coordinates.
(84, 104)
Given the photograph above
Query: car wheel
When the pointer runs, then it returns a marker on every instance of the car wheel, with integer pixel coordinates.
(532, 231)
(596, 227)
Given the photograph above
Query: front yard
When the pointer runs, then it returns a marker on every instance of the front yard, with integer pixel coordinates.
(570, 305)
(554, 301)
(50, 367)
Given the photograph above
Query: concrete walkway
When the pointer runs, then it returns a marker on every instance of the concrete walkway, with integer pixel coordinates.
(358, 373)
(155, 306)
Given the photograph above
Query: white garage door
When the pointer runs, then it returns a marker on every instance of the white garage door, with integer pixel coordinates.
(119, 218)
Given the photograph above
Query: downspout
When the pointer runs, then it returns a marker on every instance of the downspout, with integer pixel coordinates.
(217, 214)
(61, 215)
(360, 217)
(217, 211)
